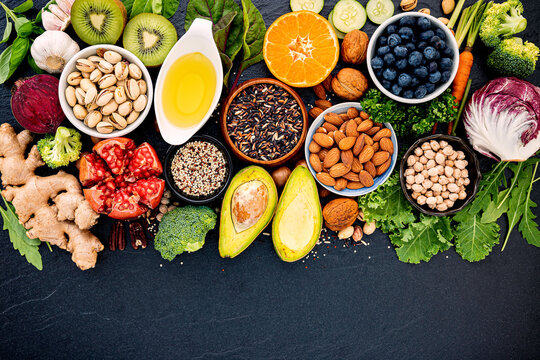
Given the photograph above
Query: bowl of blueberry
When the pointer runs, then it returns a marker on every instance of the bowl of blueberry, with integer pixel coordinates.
(412, 58)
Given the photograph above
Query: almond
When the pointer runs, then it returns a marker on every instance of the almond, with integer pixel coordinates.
(343, 127)
(333, 118)
(322, 154)
(315, 162)
(354, 185)
(352, 113)
(366, 154)
(331, 158)
(338, 136)
(327, 83)
(329, 126)
(347, 143)
(375, 146)
(365, 178)
(315, 112)
(323, 140)
(380, 157)
(359, 144)
(326, 179)
(364, 115)
(347, 158)
(331, 135)
(323, 104)
(358, 120)
(344, 117)
(373, 131)
(364, 126)
(383, 133)
(386, 144)
(382, 168)
(350, 130)
(321, 130)
(356, 166)
(319, 91)
(370, 168)
(341, 184)
(338, 170)
(351, 176)
(314, 147)
(368, 140)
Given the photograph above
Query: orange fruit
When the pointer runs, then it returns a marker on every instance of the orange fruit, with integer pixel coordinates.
(301, 48)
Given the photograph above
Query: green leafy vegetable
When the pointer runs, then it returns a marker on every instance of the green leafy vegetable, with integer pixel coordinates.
(29, 248)
(475, 239)
(170, 7)
(167, 8)
(527, 226)
(253, 39)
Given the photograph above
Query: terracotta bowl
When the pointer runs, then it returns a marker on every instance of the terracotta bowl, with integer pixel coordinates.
(225, 109)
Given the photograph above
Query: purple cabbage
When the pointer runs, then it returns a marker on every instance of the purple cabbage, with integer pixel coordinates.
(502, 119)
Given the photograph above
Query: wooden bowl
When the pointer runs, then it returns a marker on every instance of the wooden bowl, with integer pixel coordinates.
(241, 155)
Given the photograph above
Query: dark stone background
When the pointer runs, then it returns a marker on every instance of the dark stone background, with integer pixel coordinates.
(352, 303)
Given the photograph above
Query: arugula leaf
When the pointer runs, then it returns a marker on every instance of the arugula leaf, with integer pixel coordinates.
(474, 239)
(527, 226)
(170, 7)
(24, 7)
(157, 6)
(421, 240)
(253, 39)
(496, 208)
(17, 235)
(488, 188)
(139, 7)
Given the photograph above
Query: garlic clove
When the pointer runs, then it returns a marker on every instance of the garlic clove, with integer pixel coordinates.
(65, 5)
(51, 21)
(59, 13)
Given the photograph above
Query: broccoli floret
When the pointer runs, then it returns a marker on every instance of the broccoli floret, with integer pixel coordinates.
(513, 57)
(502, 20)
(184, 229)
(60, 149)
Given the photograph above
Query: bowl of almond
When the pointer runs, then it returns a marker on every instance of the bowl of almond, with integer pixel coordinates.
(348, 153)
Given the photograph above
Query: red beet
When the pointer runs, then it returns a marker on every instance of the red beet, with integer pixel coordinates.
(35, 104)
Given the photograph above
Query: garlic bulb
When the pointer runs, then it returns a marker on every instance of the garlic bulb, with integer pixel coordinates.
(52, 50)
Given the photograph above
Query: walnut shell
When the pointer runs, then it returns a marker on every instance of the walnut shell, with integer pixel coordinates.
(349, 84)
(340, 213)
(354, 47)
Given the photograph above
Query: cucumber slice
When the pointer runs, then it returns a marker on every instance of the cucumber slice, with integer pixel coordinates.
(349, 15)
(379, 10)
(339, 34)
(311, 5)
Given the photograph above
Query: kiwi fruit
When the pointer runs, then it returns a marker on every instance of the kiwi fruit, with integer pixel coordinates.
(98, 21)
(150, 37)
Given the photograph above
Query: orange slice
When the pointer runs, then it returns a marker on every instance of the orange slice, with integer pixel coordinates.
(301, 48)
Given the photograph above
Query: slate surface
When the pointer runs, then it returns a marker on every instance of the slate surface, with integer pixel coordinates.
(351, 303)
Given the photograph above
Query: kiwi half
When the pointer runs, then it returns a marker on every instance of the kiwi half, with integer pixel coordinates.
(98, 21)
(150, 37)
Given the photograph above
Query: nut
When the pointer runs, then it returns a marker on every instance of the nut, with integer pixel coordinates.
(370, 227)
(134, 71)
(365, 178)
(340, 213)
(323, 140)
(80, 94)
(142, 86)
(90, 96)
(112, 56)
(346, 233)
(74, 78)
(121, 70)
(125, 108)
(408, 5)
(366, 154)
(444, 20)
(132, 89)
(319, 91)
(118, 121)
(70, 96)
(140, 103)
(85, 65)
(132, 117)
(326, 179)
(315, 162)
(104, 97)
(331, 158)
(323, 104)
(92, 119)
(107, 81)
(120, 94)
(86, 84)
(357, 234)
(354, 47)
(425, 11)
(338, 170)
(349, 84)
(109, 108)
(448, 6)
(104, 127)
(79, 111)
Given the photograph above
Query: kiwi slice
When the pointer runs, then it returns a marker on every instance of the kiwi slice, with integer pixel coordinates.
(98, 21)
(150, 37)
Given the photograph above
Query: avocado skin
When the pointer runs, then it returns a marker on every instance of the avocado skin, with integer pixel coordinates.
(232, 243)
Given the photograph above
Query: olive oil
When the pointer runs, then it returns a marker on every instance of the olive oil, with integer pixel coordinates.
(188, 90)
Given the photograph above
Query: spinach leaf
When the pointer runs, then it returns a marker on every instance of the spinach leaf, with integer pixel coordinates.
(221, 32)
(170, 7)
(140, 6)
(253, 39)
(25, 6)
(157, 6)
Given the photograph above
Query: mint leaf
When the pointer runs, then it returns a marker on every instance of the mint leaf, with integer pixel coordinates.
(475, 239)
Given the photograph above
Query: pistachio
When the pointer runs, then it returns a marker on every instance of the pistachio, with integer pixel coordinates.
(140, 103)
(408, 5)
(85, 65)
(74, 78)
(104, 127)
(80, 94)
(90, 96)
(95, 59)
(95, 75)
(120, 94)
(92, 119)
(132, 89)
(112, 56)
(92, 106)
(346, 233)
(118, 121)
(425, 11)
(135, 72)
(132, 117)
(70, 96)
(142, 86)
(104, 97)
(448, 6)
(109, 108)
(369, 228)
(125, 108)
(101, 52)
(86, 84)
(79, 111)
(121, 70)
(121, 83)
(85, 75)
(107, 81)
(105, 67)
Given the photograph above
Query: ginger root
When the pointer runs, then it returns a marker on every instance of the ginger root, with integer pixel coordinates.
(51, 208)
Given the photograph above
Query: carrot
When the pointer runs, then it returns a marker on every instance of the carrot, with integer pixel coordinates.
(462, 76)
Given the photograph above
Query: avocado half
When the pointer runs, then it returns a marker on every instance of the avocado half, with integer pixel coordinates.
(298, 221)
(247, 208)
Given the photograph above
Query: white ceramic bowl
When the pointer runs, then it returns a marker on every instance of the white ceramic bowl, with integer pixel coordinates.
(70, 67)
(450, 42)
(379, 180)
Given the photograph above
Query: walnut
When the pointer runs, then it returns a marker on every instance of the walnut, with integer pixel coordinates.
(349, 84)
(354, 47)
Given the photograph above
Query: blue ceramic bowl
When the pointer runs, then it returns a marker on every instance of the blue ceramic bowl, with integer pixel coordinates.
(379, 180)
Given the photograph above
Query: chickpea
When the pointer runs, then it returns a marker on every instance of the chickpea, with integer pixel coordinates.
(462, 195)
(431, 201)
(411, 160)
(441, 169)
(430, 164)
(423, 159)
(443, 180)
(448, 150)
(439, 199)
(451, 179)
(445, 194)
(429, 193)
(460, 181)
(418, 152)
(430, 154)
(426, 146)
(453, 156)
(437, 188)
(449, 163)
(448, 203)
(423, 191)
(415, 195)
(435, 179)
(440, 159)
(443, 144)
(465, 173)
(427, 184)
(433, 172)
(418, 178)
(418, 167)
(460, 155)
(448, 171)
(416, 187)
(466, 181)
(453, 196)
(409, 171)
(461, 164)
(421, 200)
(425, 173)
(435, 145)
(457, 173)
(453, 188)
(408, 186)
(410, 179)
(444, 188)
(442, 207)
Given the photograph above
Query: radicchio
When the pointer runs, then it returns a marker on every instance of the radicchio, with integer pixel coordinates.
(502, 119)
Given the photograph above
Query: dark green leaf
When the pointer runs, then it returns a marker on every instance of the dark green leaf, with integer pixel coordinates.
(38, 17)
(488, 188)
(221, 32)
(25, 30)
(157, 6)
(7, 31)
(25, 6)
(36, 29)
(253, 39)
(475, 239)
(4, 64)
(128, 4)
(527, 226)
(170, 7)
(33, 65)
(140, 6)
(496, 208)
(20, 48)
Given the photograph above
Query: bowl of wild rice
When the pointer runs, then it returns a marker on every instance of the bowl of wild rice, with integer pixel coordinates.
(264, 122)
(199, 170)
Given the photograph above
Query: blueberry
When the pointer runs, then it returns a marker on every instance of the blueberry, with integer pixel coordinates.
(430, 87)
(406, 21)
(377, 63)
(383, 40)
(448, 52)
(426, 35)
(440, 33)
(414, 82)
(422, 45)
(445, 76)
(432, 67)
(396, 89)
(383, 50)
(424, 61)
(437, 42)
(423, 23)
(435, 77)
(386, 84)
(420, 92)
(404, 80)
(394, 40)
(410, 46)
(406, 33)
(390, 29)
(389, 74)
(408, 94)
(421, 72)
(389, 59)
(446, 63)
(430, 53)
(401, 64)
(415, 58)
(400, 51)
